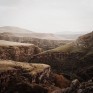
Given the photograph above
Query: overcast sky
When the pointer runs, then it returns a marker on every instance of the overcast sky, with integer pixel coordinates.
(67, 16)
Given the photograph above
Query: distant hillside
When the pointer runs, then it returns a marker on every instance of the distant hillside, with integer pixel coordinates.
(71, 58)
(27, 33)
(42, 40)
(11, 29)
(69, 36)
(82, 44)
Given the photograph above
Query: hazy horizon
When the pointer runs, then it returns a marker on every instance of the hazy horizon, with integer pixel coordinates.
(50, 16)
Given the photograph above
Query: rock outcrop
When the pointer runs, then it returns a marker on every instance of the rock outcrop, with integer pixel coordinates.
(22, 77)
(17, 51)
(29, 78)
(77, 87)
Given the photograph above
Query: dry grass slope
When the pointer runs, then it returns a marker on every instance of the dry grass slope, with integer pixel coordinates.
(31, 68)
(10, 43)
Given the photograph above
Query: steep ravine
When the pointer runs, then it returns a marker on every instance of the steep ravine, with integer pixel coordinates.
(71, 58)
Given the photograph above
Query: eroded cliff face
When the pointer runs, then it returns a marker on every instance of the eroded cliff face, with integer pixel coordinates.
(18, 52)
(29, 78)
(18, 77)
(59, 61)
(77, 87)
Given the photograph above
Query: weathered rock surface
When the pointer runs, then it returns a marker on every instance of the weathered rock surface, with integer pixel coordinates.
(18, 77)
(77, 87)
(29, 78)
(17, 51)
